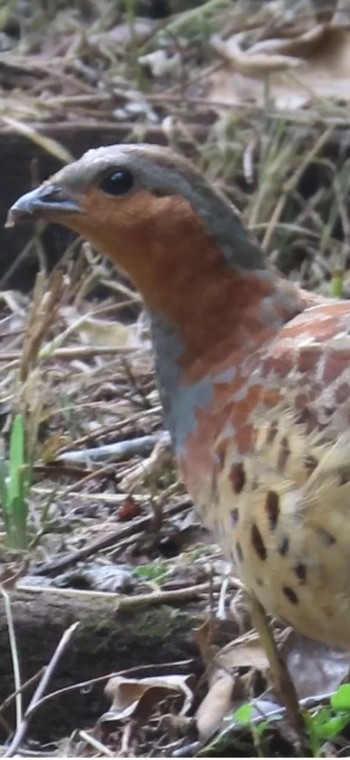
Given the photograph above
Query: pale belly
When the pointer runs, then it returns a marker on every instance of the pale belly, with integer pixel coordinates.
(288, 540)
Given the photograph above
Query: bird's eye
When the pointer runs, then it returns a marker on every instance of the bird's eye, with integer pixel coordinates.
(119, 182)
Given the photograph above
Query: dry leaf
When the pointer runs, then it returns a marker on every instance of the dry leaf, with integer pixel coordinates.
(252, 62)
(315, 668)
(215, 705)
(138, 697)
(204, 640)
(245, 652)
(293, 71)
(128, 509)
(226, 688)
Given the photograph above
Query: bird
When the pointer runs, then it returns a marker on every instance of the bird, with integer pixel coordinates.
(253, 374)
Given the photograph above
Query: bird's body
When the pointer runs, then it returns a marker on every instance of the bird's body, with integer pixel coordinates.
(253, 372)
(267, 463)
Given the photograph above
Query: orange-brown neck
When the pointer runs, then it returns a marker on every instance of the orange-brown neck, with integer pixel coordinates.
(184, 275)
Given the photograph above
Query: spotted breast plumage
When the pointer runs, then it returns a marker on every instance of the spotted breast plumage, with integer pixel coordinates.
(253, 373)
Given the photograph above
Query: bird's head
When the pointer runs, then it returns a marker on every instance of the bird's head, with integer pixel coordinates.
(141, 205)
(154, 215)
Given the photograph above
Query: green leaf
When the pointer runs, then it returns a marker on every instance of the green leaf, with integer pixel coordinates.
(16, 458)
(17, 525)
(3, 484)
(337, 285)
(17, 488)
(341, 699)
(244, 714)
(153, 571)
(332, 727)
(261, 727)
(325, 724)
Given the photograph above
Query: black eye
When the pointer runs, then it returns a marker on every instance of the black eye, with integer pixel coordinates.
(119, 182)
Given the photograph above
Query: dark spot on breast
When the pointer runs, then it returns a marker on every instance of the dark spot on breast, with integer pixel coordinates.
(325, 537)
(272, 508)
(310, 420)
(284, 366)
(284, 547)
(259, 581)
(329, 410)
(308, 359)
(272, 432)
(237, 477)
(220, 455)
(300, 571)
(258, 543)
(239, 551)
(234, 516)
(333, 367)
(310, 463)
(290, 594)
(283, 454)
(342, 393)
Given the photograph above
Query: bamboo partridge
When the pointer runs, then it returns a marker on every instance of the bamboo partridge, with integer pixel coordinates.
(253, 373)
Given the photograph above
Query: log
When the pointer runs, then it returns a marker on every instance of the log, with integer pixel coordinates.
(106, 641)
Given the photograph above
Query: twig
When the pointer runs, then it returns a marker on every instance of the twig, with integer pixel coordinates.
(94, 744)
(14, 656)
(26, 685)
(114, 499)
(135, 670)
(291, 183)
(154, 598)
(53, 147)
(61, 563)
(48, 672)
(71, 353)
(106, 429)
(166, 597)
(49, 568)
(118, 450)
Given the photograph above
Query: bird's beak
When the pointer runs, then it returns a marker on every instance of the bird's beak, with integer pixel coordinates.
(47, 201)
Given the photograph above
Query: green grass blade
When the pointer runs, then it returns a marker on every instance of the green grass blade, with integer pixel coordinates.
(17, 490)
(3, 484)
(16, 457)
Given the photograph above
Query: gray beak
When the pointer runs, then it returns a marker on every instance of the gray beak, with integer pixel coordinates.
(45, 201)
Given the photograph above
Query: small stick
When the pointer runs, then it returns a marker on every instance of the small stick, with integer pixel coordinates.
(48, 672)
(53, 566)
(14, 655)
(134, 671)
